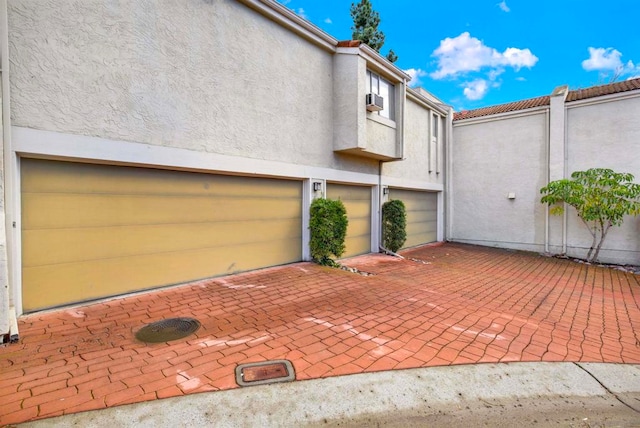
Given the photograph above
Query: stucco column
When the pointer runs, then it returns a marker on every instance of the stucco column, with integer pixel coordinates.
(5, 316)
(557, 163)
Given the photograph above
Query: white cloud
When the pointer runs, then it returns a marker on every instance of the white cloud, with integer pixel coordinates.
(503, 5)
(464, 54)
(518, 58)
(476, 89)
(602, 59)
(328, 21)
(608, 62)
(416, 74)
(301, 13)
(521, 79)
(494, 74)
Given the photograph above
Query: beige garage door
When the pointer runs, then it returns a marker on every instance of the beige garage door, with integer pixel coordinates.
(90, 231)
(422, 211)
(357, 201)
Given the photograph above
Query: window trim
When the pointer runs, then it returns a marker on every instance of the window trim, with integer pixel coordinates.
(389, 101)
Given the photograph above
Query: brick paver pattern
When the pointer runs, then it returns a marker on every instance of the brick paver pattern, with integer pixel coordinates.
(444, 304)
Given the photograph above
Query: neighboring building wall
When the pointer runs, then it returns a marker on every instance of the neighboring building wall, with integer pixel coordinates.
(493, 157)
(605, 133)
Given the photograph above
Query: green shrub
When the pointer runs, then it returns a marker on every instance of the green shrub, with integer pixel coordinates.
(394, 225)
(328, 225)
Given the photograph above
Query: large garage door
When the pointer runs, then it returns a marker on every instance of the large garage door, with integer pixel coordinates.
(357, 201)
(90, 231)
(422, 212)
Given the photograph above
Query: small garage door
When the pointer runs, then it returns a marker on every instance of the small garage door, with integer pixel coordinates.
(422, 212)
(357, 201)
(90, 231)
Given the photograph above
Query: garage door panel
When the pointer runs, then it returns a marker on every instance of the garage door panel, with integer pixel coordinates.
(359, 227)
(355, 245)
(357, 202)
(107, 179)
(422, 215)
(92, 231)
(50, 285)
(358, 209)
(68, 245)
(77, 210)
(422, 227)
(430, 215)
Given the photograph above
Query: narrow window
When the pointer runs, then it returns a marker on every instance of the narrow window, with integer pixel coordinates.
(386, 89)
(433, 146)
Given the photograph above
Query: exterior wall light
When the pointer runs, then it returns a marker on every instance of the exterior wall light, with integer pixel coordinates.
(317, 186)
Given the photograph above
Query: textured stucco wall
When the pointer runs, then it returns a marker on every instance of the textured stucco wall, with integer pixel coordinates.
(605, 135)
(381, 139)
(416, 147)
(4, 280)
(349, 124)
(491, 159)
(210, 76)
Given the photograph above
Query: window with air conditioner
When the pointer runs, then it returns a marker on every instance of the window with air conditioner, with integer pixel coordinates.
(384, 89)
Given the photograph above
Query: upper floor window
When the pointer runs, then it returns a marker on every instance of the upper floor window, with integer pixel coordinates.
(434, 146)
(387, 90)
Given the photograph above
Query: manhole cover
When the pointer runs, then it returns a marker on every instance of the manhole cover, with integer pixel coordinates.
(265, 372)
(166, 330)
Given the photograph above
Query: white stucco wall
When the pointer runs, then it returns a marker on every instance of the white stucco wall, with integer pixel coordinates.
(349, 121)
(381, 138)
(416, 147)
(4, 280)
(207, 76)
(605, 135)
(490, 159)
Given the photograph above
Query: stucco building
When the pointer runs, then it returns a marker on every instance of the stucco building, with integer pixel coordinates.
(147, 144)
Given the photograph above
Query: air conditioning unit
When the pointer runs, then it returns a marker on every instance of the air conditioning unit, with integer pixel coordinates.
(374, 102)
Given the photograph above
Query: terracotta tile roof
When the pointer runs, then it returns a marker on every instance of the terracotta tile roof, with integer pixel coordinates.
(579, 94)
(349, 43)
(598, 91)
(502, 108)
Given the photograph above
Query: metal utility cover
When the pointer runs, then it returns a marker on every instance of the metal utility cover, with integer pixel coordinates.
(167, 329)
(265, 372)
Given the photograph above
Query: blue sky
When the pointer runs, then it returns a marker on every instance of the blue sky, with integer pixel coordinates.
(477, 53)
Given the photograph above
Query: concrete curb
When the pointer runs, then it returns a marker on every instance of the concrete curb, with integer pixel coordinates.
(375, 396)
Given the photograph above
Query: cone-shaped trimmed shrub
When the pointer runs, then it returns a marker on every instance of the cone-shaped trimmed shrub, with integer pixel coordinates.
(328, 225)
(394, 225)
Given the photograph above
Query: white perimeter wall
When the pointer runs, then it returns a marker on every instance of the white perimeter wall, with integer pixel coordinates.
(605, 135)
(508, 153)
(490, 159)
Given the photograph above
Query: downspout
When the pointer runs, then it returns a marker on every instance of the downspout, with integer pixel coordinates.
(8, 320)
(565, 135)
(448, 168)
(404, 107)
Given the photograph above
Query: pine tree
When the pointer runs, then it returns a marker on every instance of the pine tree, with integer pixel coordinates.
(365, 27)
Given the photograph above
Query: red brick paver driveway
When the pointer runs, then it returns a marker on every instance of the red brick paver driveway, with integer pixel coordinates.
(451, 304)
